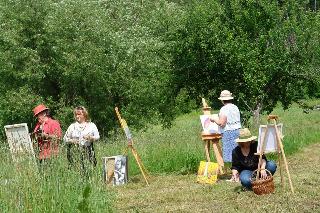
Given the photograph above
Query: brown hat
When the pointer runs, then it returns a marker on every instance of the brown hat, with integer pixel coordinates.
(39, 108)
(245, 136)
(225, 95)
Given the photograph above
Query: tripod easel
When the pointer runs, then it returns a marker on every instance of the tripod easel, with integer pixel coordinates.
(280, 150)
(134, 152)
(212, 138)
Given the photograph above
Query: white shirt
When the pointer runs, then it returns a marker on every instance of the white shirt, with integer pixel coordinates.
(79, 131)
(232, 113)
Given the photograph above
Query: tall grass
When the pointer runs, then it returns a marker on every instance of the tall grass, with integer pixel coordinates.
(180, 148)
(52, 187)
(300, 129)
(175, 150)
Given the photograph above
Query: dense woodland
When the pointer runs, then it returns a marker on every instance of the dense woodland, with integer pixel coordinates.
(155, 59)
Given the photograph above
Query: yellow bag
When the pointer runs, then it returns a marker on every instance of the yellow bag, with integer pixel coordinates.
(207, 172)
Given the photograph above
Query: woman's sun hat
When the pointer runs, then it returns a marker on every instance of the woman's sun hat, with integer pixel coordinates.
(39, 108)
(225, 95)
(245, 136)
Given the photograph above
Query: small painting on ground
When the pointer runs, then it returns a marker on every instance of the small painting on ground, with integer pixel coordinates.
(115, 170)
(207, 172)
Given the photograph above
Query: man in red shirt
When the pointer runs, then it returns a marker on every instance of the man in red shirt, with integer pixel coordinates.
(47, 132)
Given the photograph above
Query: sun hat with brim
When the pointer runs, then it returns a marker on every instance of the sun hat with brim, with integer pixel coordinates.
(225, 95)
(38, 109)
(245, 136)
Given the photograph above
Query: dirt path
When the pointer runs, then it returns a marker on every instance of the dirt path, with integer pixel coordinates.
(180, 193)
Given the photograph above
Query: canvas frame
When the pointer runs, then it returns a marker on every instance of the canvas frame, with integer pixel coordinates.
(19, 142)
(115, 170)
(209, 127)
(270, 141)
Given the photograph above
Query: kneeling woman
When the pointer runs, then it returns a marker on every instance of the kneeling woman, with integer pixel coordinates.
(244, 160)
(82, 133)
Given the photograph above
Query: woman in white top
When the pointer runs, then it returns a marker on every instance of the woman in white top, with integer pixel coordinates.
(229, 121)
(82, 133)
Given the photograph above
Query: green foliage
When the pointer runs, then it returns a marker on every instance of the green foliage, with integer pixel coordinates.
(155, 60)
(83, 206)
(98, 54)
(184, 103)
(16, 106)
(264, 52)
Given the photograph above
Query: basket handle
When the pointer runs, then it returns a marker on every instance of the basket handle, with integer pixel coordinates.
(255, 173)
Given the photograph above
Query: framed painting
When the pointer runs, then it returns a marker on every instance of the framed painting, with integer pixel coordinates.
(115, 170)
(19, 141)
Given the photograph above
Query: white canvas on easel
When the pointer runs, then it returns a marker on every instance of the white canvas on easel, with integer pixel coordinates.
(270, 140)
(268, 132)
(208, 126)
(19, 141)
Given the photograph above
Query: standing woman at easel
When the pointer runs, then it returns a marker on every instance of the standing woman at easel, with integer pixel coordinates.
(82, 133)
(229, 121)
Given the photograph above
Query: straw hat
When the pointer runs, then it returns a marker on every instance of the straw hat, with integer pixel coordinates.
(225, 95)
(245, 136)
(39, 108)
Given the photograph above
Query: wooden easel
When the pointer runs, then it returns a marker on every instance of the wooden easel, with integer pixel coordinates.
(274, 119)
(134, 152)
(212, 139)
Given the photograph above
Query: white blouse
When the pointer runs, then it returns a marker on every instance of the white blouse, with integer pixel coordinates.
(232, 113)
(77, 131)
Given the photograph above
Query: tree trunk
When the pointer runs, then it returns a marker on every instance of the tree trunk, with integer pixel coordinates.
(256, 116)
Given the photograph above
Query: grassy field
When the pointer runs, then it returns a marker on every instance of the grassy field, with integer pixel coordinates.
(172, 157)
(180, 193)
(180, 148)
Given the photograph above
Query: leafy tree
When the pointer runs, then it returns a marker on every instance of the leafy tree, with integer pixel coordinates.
(97, 54)
(154, 59)
(263, 52)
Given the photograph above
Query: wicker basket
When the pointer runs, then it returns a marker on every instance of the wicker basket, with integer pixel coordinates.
(262, 186)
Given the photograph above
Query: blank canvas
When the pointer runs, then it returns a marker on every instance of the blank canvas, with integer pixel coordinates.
(270, 137)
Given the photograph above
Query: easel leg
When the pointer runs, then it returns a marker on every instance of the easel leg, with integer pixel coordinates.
(218, 153)
(280, 168)
(207, 148)
(262, 148)
(283, 155)
(139, 162)
(287, 168)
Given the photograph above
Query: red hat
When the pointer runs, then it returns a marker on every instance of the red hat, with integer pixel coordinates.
(38, 109)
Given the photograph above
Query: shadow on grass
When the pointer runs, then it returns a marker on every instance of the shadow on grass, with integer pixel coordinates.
(239, 189)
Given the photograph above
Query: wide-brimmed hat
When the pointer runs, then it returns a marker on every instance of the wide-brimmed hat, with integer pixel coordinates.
(39, 108)
(225, 95)
(245, 136)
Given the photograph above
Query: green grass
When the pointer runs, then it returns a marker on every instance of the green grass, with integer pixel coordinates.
(300, 129)
(54, 188)
(181, 193)
(177, 149)
(180, 148)
(170, 155)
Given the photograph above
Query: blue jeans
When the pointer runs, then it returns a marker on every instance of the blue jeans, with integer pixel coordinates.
(245, 175)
